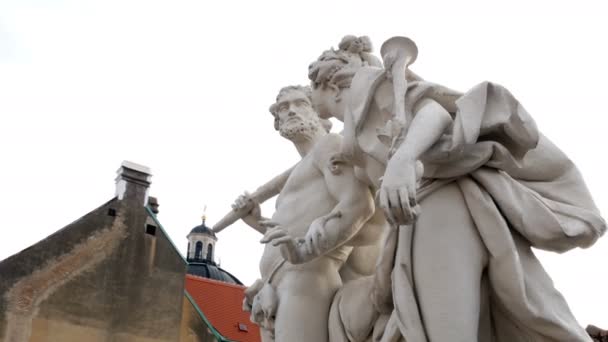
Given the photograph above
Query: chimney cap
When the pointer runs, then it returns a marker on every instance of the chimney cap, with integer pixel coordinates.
(134, 166)
(136, 175)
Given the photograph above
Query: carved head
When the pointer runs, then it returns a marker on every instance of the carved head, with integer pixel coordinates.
(294, 115)
(333, 72)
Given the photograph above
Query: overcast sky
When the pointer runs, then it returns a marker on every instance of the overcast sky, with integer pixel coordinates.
(184, 88)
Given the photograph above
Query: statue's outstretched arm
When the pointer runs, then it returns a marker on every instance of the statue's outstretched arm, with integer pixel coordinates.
(253, 218)
(270, 189)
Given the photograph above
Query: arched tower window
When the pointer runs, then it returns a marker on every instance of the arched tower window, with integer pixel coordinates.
(198, 253)
(210, 252)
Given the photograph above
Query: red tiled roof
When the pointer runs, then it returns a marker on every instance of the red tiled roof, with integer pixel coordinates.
(222, 304)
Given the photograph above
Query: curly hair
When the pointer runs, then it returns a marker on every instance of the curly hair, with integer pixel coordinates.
(336, 68)
(354, 44)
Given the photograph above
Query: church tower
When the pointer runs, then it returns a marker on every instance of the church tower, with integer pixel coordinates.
(201, 244)
(201, 255)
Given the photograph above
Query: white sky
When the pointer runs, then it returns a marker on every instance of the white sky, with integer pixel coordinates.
(184, 87)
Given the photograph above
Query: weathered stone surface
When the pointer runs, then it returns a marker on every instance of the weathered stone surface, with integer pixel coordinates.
(112, 275)
(468, 183)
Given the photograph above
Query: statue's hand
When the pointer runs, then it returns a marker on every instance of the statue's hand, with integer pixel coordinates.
(278, 236)
(397, 194)
(317, 240)
(247, 208)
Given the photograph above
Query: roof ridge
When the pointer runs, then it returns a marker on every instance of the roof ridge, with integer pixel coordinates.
(214, 281)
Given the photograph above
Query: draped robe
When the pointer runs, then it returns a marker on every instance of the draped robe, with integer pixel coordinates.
(519, 188)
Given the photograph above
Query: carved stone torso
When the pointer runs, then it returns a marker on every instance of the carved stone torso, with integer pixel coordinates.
(303, 199)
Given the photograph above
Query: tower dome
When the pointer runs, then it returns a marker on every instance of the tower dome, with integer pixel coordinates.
(201, 243)
(201, 257)
(202, 229)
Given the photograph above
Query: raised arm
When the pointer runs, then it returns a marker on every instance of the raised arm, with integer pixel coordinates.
(245, 205)
(253, 218)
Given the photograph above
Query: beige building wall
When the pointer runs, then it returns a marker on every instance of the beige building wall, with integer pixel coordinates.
(113, 275)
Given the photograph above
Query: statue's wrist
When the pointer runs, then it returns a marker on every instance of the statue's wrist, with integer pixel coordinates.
(403, 156)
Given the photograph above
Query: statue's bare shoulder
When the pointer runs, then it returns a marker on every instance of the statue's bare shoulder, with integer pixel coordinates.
(325, 149)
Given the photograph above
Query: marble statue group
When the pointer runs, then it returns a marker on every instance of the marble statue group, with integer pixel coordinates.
(416, 223)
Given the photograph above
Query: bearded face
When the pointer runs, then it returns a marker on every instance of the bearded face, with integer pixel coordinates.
(295, 116)
(300, 128)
